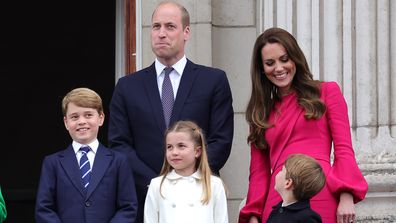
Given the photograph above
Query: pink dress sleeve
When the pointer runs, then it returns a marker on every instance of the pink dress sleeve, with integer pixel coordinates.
(345, 175)
(259, 181)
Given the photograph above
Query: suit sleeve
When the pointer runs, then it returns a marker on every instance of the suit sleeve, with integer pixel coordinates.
(127, 203)
(345, 175)
(259, 180)
(221, 125)
(120, 135)
(45, 201)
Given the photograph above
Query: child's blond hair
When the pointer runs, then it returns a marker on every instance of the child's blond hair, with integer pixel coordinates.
(202, 164)
(82, 97)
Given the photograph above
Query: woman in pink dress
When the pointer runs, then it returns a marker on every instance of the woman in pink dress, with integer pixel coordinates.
(288, 113)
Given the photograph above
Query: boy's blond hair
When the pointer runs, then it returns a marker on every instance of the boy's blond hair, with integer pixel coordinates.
(82, 97)
(306, 174)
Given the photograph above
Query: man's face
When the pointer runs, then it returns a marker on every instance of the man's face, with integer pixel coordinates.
(167, 34)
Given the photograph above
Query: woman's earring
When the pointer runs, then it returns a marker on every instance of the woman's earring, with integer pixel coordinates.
(274, 90)
(272, 95)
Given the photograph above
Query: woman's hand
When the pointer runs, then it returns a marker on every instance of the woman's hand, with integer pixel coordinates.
(253, 219)
(346, 209)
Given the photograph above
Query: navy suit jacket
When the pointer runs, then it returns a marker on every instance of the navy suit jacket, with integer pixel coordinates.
(299, 212)
(137, 124)
(110, 196)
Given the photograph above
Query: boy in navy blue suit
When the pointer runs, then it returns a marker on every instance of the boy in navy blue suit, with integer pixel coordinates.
(86, 182)
(299, 180)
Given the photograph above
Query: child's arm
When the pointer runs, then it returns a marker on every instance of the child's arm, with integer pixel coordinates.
(127, 203)
(45, 202)
(151, 212)
(220, 201)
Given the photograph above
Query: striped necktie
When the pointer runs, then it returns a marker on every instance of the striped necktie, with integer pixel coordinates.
(85, 166)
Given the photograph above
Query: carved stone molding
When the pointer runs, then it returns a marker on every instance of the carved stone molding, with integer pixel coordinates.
(380, 202)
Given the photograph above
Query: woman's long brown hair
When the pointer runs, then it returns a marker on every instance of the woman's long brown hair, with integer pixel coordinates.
(264, 92)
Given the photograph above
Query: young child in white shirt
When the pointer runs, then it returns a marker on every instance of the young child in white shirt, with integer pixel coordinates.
(186, 190)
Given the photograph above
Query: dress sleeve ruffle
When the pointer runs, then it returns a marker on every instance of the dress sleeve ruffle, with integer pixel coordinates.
(259, 180)
(345, 175)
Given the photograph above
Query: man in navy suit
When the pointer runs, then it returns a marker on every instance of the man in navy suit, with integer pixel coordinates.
(91, 186)
(201, 94)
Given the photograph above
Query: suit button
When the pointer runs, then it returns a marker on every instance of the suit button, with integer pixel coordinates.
(280, 210)
(173, 205)
(87, 204)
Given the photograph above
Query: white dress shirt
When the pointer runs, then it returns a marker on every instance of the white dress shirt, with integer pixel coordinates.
(175, 75)
(91, 154)
(181, 201)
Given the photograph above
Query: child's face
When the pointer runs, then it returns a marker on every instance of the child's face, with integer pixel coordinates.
(83, 123)
(181, 152)
(280, 180)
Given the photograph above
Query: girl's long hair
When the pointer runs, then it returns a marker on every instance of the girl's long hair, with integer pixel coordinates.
(201, 164)
(264, 92)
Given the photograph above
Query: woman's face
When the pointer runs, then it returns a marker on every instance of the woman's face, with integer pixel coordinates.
(278, 67)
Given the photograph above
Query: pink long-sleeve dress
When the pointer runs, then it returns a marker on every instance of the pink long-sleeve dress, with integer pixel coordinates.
(292, 133)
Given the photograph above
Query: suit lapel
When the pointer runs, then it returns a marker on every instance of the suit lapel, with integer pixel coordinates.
(185, 86)
(151, 86)
(69, 163)
(102, 161)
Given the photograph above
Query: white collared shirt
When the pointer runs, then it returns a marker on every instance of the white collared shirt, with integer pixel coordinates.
(175, 75)
(181, 200)
(91, 154)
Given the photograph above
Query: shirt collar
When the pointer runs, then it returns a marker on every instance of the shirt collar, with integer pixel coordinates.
(174, 176)
(178, 66)
(93, 145)
(294, 206)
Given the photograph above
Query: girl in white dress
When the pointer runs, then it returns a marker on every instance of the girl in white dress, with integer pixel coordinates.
(186, 191)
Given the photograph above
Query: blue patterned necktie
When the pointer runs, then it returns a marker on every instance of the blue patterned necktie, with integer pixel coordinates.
(167, 96)
(85, 166)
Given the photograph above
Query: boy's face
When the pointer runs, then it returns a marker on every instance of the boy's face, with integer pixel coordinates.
(280, 180)
(83, 123)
